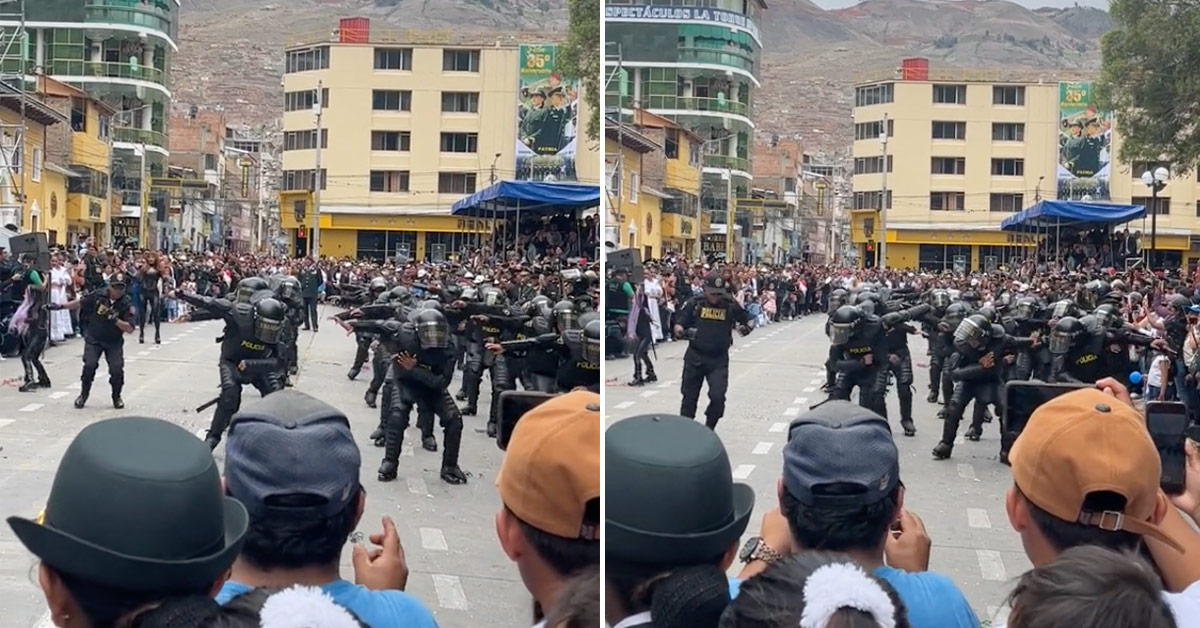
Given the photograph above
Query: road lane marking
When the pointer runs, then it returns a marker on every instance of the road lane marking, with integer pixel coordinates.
(762, 449)
(33, 407)
(743, 471)
(978, 518)
(991, 565)
(800, 401)
(778, 428)
(7, 422)
(809, 389)
(792, 412)
(144, 352)
(966, 471)
(76, 386)
(59, 395)
(450, 592)
(433, 539)
(417, 486)
(817, 381)
(623, 405)
(649, 393)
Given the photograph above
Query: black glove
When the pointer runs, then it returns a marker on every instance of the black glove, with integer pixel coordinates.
(54, 306)
(891, 319)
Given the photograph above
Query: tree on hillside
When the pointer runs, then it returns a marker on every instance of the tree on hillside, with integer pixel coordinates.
(1150, 79)
(579, 58)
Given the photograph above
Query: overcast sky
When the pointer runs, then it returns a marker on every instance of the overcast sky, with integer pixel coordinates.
(1033, 4)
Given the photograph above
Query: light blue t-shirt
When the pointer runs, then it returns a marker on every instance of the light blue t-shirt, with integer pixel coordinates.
(933, 601)
(378, 609)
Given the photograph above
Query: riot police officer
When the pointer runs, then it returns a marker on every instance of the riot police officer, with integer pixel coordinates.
(249, 352)
(577, 353)
(375, 289)
(109, 315)
(858, 353)
(708, 322)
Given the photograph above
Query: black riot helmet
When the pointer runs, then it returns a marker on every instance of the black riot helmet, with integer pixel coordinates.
(989, 313)
(1180, 304)
(431, 304)
(400, 294)
(1066, 334)
(1099, 288)
(268, 320)
(1135, 298)
(248, 286)
(1064, 308)
(377, 286)
(289, 288)
(593, 331)
(565, 317)
(1025, 308)
(973, 332)
(1003, 302)
(939, 299)
(492, 296)
(843, 323)
(955, 314)
(433, 332)
(1108, 316)
(837, 299)
(539, 306)
(970, 297)
(868, 304)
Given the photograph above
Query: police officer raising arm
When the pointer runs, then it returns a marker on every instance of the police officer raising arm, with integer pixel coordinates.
(107, 315)
(708, 323)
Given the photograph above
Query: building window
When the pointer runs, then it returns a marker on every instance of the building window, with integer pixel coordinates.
(941, 257)
(79, 115)
(871, 200)
(307, 60)
(950, 94)
(393, 59)
(947, 201)
(460, 61)
(872, 130)
(1008, 167)
(302, 179)
(391, 100)
(948, 165)
(304, 140)
(635, 182)
(1008, 95)
(1007, 202)
(35, 168)
(874, 95)
(1198, 209)
(105, 127)
(305, 99)
(671, 144)
(210, 161)
(1140, 167)
(456, 183)
(460, 102)
(389, 180)
(871, 165)
(949, 130)
(1008, 131)
(391, 140)
(1160, 206)
(460, 142)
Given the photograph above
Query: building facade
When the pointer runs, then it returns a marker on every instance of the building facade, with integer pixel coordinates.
(696, 62)
(635, 209)
(28, 188)
(966, 149)
(119, 52)
(410, 123)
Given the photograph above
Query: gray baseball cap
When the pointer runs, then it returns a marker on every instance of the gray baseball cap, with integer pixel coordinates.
(843, 445)
(287, 444)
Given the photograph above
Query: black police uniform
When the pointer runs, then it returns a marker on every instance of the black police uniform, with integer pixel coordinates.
(103, 337)
(860, 361)
(310, 282)
(710, 332)
(148, 303)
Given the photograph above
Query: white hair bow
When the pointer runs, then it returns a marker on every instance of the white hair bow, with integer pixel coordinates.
(842, 585)
(304, 607)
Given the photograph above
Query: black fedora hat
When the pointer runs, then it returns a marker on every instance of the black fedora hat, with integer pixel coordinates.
(137, 505)
(670, 494)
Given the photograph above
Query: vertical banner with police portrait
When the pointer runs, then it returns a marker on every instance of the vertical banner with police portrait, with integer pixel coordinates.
(1084, 144)
(547, 118)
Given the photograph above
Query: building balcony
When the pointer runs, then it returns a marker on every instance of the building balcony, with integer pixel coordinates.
(699, 104)
(718, 56)
(140, 136)
(726, 162)
(69, 68)
(154, 15)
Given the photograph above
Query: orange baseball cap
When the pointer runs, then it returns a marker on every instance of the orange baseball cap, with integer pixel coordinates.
(1085, 442)
(551, 469)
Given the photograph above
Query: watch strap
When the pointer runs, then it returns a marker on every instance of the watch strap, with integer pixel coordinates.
(765, 553)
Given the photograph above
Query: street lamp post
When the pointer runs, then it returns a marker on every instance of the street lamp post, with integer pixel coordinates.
(1156, 181)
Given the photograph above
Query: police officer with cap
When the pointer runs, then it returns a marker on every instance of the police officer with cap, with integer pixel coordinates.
(708, 323)
(108, 314)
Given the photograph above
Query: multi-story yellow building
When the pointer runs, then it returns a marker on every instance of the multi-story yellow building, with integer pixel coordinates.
(32, 195)
(634, 210)
(966, 149)
(411, 122)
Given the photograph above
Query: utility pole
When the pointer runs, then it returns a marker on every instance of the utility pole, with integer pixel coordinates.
(12, 171)
(318, 107)
(883, 200)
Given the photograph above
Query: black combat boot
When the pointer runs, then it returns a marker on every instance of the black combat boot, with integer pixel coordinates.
(451, 473)
(429, 443)
(370, 398)
(353, 372)
(84, 391)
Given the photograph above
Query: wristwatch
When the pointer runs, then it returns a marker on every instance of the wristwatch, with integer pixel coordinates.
(757, 549)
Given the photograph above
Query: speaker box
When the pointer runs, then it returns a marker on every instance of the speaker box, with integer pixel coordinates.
(627, 259)
(35, 243)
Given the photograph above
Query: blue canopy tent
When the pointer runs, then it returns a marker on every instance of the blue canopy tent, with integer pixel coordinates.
(510, 198)
(1046, 215)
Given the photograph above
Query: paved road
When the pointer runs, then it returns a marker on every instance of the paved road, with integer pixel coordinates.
(457, 567)
(775, 374)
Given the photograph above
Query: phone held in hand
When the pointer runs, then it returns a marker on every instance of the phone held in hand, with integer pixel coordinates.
(1022, 398)
(1167, 422)
(514, 404)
